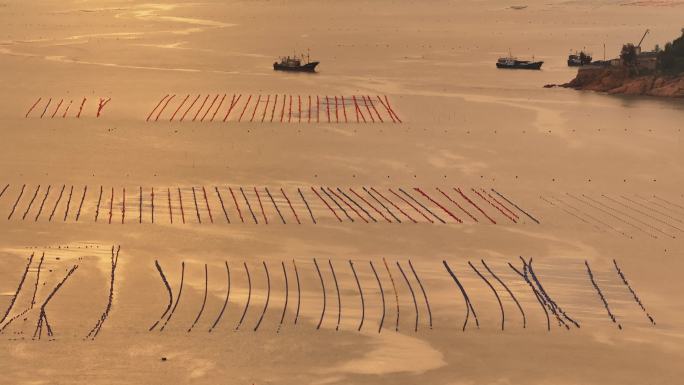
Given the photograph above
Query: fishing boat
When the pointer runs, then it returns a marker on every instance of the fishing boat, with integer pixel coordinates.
(579, 59)
(295, 64)
(511, 62)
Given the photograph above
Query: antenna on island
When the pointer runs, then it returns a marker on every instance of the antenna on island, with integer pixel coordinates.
(604, 51)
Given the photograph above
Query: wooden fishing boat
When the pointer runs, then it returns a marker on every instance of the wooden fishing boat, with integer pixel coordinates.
(295, 64)
(511, 62)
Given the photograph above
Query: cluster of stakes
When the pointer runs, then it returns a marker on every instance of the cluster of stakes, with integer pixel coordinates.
(60, 108)
(623, 215)
(39, 306)
(404, 274)
(274, 108)
(236, 204)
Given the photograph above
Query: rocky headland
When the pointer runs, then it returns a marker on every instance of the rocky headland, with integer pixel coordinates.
(619, 80)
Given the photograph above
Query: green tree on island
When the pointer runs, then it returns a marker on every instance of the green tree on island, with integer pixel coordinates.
(671, 59)
(628, 54)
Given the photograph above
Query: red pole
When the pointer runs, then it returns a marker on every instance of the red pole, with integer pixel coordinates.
(103, 103)
(123, 206)
(282, 110)
(438, 204)
(458, 190)
(180, 202)
(391, 109)
(275, 103)
(57, 109)
(158, 114)
(412, 206)
(326, 203)
(189, 108)
(369, 204)
(46, 107)
(327, 107)
(268, 99)
(456, 203)
(337, 115)
(233, 102)
(111, 206)
(179, 107)
(368, 108)
(263, 213)
(209, 108)
(67, 109)
(148, 116)
(291, 208)
(357, 110)
(245, 108)
(348, 204)
(81, 108)
(394, 205)
(32, 107)
(201, 106)
(493, 205)
(236, 204)
(344, 109)
(386, 108)
(206, 201)
(168, 191)
(255, 108)
(500, 204)
(218, 108)
(375, 109)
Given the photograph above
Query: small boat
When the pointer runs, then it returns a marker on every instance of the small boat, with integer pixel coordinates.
(295, 64)
(579, 59)
(511, 62)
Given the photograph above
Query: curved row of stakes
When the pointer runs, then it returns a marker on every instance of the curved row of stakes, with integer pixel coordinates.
(384, 282)
(396, 273)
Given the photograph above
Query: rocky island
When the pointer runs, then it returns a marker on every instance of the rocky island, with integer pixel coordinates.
(654, 73)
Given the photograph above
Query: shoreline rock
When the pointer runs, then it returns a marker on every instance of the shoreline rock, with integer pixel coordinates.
(618, 81)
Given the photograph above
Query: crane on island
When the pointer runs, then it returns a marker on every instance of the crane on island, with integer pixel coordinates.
(643, 37)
